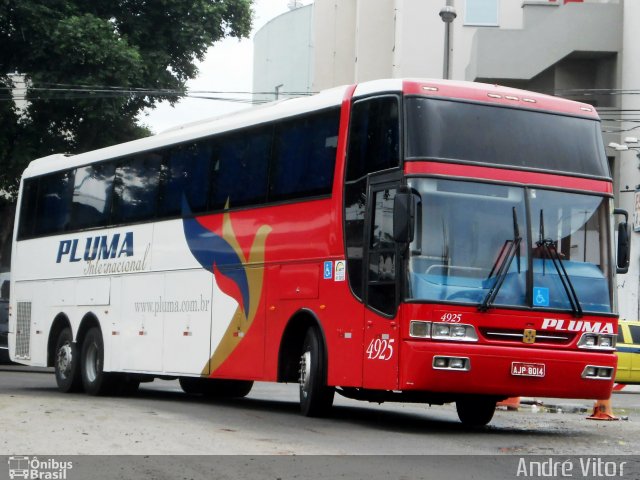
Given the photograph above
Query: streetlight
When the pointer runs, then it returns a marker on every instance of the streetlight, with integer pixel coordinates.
(626, 146)
(447, 14)
(623, 147)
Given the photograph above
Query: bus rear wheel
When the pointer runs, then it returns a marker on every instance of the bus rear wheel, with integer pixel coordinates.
(475, 411)
(316, 397)
(67, 363)
(95, 380)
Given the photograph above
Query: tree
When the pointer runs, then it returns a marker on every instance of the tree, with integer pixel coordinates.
(129, 53)
(91, 66)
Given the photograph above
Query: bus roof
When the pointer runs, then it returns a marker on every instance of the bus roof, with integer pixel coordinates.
(460, 90)
(499, 95)
(244, 118)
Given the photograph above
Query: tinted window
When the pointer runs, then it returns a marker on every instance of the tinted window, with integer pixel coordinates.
(53, 203)
(446, 130)
(136, 188)
(304, 156)
(373, 146)
(382, 254)
(635, 334)
(92, 190)
(240, 169)
(186, 174)
(29, 203)
(374, 143)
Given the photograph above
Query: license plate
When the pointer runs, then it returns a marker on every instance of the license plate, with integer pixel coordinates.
(527, 369)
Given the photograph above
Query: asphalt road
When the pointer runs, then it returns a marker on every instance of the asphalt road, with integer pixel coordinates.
(161, 420)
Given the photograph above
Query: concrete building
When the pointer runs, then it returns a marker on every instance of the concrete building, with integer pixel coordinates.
(586, 50)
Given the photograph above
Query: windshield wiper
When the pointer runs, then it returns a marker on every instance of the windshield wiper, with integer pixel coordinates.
(510, 250)
(548, 246)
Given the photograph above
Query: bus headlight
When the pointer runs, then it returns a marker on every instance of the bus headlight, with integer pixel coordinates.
(458, 332)
(419, 329)
(597, 341)
(442, 331)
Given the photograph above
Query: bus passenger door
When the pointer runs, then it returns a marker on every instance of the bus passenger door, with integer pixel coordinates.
(381, 329)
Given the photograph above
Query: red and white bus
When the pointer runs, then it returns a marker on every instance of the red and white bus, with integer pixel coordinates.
(396, 240)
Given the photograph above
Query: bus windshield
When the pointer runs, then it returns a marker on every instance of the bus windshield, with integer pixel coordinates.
(464, 132)
(472, 245)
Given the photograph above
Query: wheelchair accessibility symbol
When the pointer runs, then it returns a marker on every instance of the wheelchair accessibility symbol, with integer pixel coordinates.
(328, 270)
(540, 297)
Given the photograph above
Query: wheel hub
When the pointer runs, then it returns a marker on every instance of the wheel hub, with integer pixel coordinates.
(305, 369)
(91, 363)
(65, 357)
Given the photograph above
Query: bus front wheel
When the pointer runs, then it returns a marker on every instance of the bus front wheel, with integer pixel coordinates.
(316, 397)
(95, 380)
(67, 363)
(475, 411)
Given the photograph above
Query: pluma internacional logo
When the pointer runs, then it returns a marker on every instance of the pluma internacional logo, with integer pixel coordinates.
(103, 254)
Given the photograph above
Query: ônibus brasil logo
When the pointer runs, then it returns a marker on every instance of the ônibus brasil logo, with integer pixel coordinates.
(37, 469)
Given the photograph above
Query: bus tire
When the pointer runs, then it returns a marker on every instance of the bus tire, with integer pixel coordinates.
(95, 380)
(316, 397)
(475, 411)
(228, 388)
(127, 386)
(192, 385)
(67, 363)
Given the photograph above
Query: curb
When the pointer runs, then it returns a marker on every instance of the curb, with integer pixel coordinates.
(25, 369)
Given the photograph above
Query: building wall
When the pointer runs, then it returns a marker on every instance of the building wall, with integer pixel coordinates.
(335, 48)
(541, 45)
(628, 162)
(283, 54)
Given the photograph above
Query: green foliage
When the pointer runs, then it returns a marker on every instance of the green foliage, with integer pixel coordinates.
(61, 46)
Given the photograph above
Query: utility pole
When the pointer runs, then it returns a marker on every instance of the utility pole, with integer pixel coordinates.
(447, 14)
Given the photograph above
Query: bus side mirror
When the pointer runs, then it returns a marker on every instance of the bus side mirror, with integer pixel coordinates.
(624, 242)
(403, 217)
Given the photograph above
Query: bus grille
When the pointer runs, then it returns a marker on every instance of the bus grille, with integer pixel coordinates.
(517, 336)
(23, 331)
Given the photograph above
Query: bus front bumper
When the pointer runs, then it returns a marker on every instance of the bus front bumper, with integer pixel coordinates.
(506, 371)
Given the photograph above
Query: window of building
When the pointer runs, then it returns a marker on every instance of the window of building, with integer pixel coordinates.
(481, 13)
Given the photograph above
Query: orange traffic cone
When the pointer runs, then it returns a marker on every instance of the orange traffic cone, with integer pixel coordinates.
(602, 411)
(512, 403)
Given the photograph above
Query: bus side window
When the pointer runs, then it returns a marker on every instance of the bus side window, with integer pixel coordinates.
(136, 188)
(240, 169)
(374, 145)
(92, 191)
(54, 198)
(186, 173)
(28, 208)
(304, 156)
